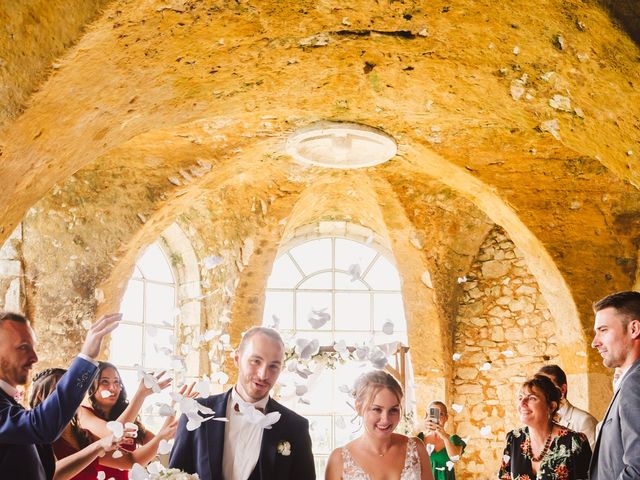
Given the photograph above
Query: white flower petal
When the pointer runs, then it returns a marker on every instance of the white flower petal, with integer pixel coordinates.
(355, 271)
(387, 327)
(164, 447)
(138, 472)
(211, 262)
(116, 428)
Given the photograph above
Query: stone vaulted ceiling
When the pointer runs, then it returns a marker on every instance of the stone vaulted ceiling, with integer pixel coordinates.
(525, 115)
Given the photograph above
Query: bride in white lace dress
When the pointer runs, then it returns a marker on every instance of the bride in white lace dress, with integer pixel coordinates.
(379, 454)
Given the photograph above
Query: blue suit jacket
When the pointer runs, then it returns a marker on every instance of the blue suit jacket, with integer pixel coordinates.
(200, 451)
(617, 451)
(26, 435)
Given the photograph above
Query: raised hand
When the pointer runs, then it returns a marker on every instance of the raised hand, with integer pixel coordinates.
(111, 442)
(168, 430)
(162, 383)
(188, 390)
(104, 326)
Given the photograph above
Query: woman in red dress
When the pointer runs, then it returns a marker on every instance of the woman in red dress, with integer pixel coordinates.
(78, 456)
(108, 399)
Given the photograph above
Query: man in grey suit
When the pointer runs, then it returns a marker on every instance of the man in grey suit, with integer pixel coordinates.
(617, 338)
(569, 415)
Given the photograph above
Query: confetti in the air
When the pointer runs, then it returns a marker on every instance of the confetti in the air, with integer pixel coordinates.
(387, 327)
(485, 431)
(164, 447)
(116, 428)
(355, 271)
(318, 318)
(212, 261)
(486, 366)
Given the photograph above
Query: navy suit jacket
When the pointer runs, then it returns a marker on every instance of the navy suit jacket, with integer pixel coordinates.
(26, 435)
(617, 451)
(200, 451)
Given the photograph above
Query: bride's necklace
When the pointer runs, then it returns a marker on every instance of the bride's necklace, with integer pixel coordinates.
(381, 454)
(544, 451)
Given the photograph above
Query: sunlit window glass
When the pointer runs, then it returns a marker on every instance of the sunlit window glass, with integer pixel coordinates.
(147, 330)
(360, 288)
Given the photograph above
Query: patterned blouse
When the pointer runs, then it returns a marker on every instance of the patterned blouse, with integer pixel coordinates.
(567, 459)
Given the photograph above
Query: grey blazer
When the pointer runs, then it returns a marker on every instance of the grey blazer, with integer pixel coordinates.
(617, 452)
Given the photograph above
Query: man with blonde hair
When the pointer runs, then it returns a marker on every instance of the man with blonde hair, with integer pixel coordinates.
(262, 440)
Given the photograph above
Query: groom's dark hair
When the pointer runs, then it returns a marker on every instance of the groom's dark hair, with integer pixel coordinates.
(269, 332)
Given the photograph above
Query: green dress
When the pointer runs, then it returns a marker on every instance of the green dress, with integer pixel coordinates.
(440, 458)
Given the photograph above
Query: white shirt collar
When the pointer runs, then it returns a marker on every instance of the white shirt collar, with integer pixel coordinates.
(616, 384)
(564, 407)
(8, 389)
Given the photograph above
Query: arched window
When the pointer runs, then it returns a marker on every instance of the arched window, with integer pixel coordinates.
(359, 286)
(162, 291)
(147, 330)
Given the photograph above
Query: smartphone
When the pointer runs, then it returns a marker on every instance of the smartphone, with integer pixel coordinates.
(434, 413)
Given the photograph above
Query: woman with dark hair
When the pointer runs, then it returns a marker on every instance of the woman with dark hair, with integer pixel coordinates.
(77, 455)
(543, 449)
(108, 399)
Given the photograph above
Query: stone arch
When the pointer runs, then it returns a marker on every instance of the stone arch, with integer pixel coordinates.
(552, 284)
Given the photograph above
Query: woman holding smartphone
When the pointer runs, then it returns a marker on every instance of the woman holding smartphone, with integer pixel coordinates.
(444, 449)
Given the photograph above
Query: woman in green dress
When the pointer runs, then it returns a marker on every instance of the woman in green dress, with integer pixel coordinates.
(444, 449)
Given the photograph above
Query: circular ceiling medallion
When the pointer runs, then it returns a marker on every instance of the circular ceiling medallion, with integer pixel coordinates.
(341, 145)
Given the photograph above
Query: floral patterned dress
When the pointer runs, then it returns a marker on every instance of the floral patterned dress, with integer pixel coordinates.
(567, 459)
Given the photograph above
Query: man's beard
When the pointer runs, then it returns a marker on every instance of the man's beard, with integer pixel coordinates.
(15, 373)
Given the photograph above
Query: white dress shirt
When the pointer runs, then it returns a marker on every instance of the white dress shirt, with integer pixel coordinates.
(242, 440)
(578, 420)
(617, 383)
(13, 392)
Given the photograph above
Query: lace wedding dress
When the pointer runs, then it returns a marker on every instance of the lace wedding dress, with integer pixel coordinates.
(411, 471)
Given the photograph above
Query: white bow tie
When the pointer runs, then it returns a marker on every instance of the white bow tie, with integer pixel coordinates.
(252, 415)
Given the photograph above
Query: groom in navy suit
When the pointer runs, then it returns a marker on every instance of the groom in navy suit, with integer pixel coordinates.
(26, 435)
(262, 440)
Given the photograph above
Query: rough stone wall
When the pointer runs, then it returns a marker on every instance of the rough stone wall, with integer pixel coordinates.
(11, 290)
(504, 334)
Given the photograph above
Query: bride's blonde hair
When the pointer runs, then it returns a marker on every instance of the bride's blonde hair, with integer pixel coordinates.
(369, 384)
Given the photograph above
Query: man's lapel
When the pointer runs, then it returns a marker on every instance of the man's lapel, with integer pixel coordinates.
(269, 447)
(215, 439)
(596, 447)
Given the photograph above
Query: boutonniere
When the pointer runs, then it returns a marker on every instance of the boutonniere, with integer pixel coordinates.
(284, 448)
